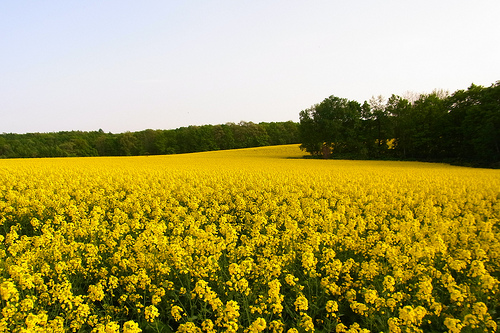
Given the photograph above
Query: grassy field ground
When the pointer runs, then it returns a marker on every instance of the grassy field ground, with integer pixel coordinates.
(248, 240)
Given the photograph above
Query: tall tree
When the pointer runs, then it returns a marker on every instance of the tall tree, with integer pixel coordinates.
(333, 126)
(399, 110)
(377, 125)
(310, 137)
(429, 112)
(477, 110)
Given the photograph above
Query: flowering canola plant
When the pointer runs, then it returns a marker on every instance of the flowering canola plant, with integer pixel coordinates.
(252, 240)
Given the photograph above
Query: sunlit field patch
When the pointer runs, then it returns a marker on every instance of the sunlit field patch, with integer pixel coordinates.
(247, 240)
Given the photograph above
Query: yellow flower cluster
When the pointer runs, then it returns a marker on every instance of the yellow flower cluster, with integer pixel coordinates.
(247, 240)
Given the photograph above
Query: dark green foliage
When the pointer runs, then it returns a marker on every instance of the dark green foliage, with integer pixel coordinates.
(148, 142)
(461, 128)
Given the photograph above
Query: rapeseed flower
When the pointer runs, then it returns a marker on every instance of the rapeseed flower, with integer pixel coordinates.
(176, 312)
(234, 236)
(151, 313)
(301, 303)
(131, 327)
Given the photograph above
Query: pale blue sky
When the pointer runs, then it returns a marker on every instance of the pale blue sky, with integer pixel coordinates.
(131, 65)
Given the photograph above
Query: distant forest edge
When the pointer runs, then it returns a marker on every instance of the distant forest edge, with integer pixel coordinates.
(148, 142)
(460, 128)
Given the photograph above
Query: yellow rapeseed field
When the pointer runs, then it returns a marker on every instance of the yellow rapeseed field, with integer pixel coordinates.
(250, 241)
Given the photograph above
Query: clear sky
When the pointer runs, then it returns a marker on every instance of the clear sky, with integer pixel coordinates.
(123, 65)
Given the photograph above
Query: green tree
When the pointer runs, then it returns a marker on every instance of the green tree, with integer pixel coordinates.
(224, 136)
(249, 134)
(333, 126)
(310, 137)
(429, 120)
(128, 144)
(377, 126)
(475, 115)
(399, 110)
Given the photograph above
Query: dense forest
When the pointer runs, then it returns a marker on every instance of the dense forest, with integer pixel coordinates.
(459, 128)
(148, 142)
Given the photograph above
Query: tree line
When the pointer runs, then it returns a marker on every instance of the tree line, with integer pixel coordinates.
(459, 128)
(148, 142)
